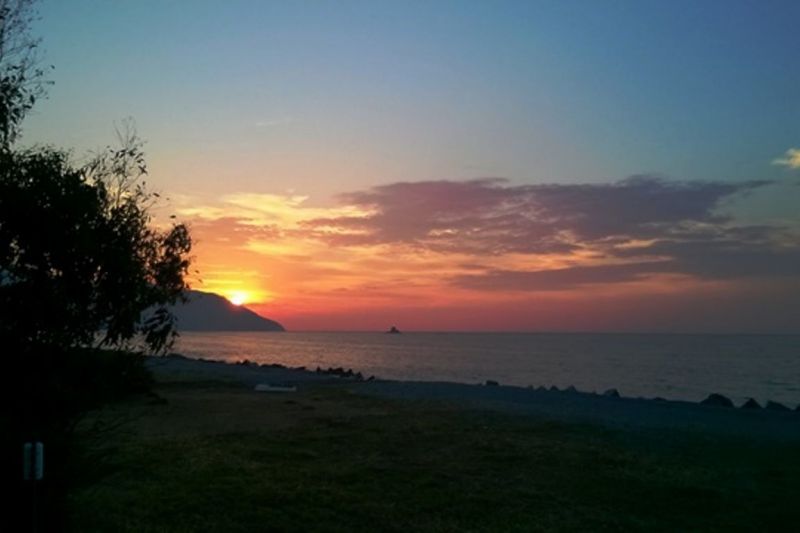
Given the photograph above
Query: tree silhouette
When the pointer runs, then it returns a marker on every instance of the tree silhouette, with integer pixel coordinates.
(82, 265)
(21, 77)
(78, 251)
(79, 256)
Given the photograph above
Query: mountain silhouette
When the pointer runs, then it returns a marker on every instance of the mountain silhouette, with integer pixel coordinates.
(206, 311)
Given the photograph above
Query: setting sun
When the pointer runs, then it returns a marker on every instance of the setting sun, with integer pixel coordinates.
(238, 297)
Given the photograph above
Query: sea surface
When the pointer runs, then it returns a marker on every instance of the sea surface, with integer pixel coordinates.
(681, 367)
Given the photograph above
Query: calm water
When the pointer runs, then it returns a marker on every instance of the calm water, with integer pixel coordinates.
(684, 367)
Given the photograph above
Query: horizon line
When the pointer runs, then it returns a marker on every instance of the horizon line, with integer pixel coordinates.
(510, 332)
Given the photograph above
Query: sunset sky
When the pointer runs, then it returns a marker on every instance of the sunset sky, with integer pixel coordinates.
(526, 166)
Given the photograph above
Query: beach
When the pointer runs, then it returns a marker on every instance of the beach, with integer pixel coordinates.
(557, 405)
(207, 452)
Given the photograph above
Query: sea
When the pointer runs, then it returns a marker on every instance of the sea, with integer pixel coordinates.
(679, 367)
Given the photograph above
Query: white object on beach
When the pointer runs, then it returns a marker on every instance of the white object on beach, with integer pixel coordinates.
(265, 387)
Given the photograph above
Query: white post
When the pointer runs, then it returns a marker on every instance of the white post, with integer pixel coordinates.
(33, 470)
(33, 461)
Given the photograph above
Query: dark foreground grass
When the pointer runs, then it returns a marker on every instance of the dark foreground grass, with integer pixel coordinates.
(216, 458)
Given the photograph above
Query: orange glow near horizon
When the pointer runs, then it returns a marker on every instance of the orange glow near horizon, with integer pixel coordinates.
(279, 256)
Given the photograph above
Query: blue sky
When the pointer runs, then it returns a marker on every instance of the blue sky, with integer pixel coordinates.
(384, 91)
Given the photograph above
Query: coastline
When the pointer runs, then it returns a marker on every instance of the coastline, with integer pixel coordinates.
(675, 367)
(564, 406)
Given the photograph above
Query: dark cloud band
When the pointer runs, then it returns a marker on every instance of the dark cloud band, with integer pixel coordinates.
(645, 225)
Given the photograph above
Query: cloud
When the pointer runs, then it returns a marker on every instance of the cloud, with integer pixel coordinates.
(608, 233)
(255, 209)
(790, 159)
(489, 235)
(479, 217)
(488, 216)
(561, 278)
(727, 258)
(701, 260)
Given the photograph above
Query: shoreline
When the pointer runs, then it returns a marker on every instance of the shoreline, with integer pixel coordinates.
(551, 404)
(679, 368)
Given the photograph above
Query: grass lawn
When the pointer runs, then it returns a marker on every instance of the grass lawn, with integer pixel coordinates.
(216, 457)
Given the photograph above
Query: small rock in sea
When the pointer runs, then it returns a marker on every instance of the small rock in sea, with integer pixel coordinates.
(300, 368)
(371, 378)
(776, 406)
(571, 388)
(491, 383)
(553, 388)
(797, 408)
(611, 393)
(659, 399)
(359, 376)
(318, 370)
(541, 388)
(717, 400)
(751, 403)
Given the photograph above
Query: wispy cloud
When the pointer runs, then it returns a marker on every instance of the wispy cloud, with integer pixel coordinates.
(790, 159)
(256, 209)
(487, 235)
(562, 278)
(628, 231)
(488, 216)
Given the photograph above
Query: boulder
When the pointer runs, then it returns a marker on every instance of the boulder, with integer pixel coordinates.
(491, 383)
(717, 400)
(776, 406)
(571, 388)
(611, 393)
(751, 404)
(553, 388)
